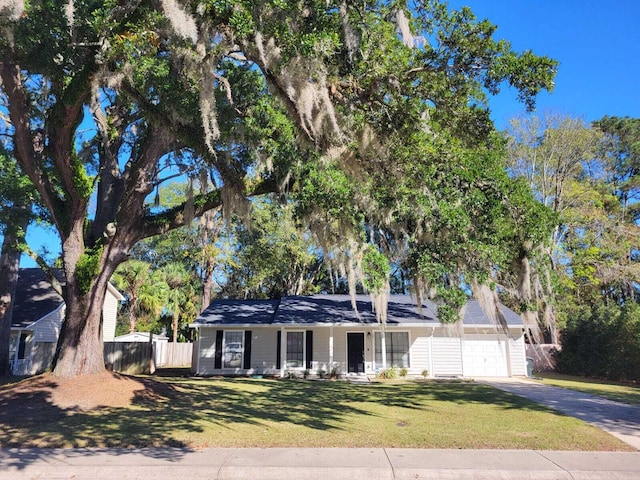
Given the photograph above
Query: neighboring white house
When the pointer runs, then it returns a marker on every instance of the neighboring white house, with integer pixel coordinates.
(324, 332)
(38, 312)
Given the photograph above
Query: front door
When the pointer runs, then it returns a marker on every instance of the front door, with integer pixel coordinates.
(355, 352)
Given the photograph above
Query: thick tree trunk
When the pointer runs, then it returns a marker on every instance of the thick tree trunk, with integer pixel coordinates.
(9, 269)
(80, 349)
(207, 286)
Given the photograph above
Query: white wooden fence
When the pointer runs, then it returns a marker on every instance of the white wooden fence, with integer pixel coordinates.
(178, 354)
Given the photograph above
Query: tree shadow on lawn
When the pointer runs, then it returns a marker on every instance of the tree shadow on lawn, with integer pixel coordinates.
(167, 411)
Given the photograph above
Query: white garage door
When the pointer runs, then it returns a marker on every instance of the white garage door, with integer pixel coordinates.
(484, 356)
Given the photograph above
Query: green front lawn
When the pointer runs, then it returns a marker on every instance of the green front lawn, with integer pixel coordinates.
(616, 391)
(285, 413)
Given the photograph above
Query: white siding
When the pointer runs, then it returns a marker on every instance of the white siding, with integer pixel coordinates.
(47, 328)
(419, 353)
(109, 316)
(207, 351)
(263, 350)
(447, 356)
(517, 355)
(340, 347)
(320, 354)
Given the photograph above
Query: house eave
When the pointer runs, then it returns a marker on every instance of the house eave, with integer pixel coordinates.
(32, 325)
(115, 292)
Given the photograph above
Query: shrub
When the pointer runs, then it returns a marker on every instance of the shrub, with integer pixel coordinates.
(403, 372)
(388, 374)
(603, 342)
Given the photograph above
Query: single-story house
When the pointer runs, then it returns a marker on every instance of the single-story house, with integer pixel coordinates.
(38, 312)
(324, 333)
(160, 344)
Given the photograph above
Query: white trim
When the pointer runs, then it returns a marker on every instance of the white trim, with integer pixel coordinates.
(364, 344)
(198, 354)
(115, 292)
(33, 324)
(431, 352)
(224, 342)
(304, 351)
(383, 346)
(331, 347)
(283, 350)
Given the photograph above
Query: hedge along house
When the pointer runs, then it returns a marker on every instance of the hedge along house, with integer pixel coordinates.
(38, 313)
(324, 333)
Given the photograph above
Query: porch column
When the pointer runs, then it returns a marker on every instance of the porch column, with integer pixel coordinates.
(383, 339)
(431, 372)
(283, 350)
(330, 347)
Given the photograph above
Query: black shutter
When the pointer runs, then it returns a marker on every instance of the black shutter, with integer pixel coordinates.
(309, 349)
(279, 349)
(217, 359)
(247, 349)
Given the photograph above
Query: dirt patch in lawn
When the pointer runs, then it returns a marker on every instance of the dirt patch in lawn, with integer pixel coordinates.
(87, 392)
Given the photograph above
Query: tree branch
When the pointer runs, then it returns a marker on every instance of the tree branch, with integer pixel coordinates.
(174, 217)
(42, 263)
(24, 141)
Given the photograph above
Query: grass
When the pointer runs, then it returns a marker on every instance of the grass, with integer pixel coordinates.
(616, 391)
(283, 413)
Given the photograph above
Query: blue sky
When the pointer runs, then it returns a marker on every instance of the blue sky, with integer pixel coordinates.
(597, 44)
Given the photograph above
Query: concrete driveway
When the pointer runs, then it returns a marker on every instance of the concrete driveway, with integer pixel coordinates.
(618, 419)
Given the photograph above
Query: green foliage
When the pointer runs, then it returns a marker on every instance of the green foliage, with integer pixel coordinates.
(269, 256)
(18, 196)
(88, 267)
(602, 342)
(376, 270)
(389, 373)
(362, 122)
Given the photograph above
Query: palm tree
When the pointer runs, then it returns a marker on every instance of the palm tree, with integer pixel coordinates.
(145, 290)
(182, 300)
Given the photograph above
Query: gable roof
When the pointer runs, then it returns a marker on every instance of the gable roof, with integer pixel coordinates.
(474, 315)
(338, 309)
(35, 297)
(238, 312)
(335, 310)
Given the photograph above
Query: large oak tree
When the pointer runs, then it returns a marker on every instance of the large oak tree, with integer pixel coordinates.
(107, 100)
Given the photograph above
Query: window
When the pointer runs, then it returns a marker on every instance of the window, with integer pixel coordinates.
(397, 347)
(13, 345)
(295, 350)
(232, 349)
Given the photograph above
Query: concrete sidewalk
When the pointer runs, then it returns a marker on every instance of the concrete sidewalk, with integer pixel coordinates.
(320, 463)
(618, 419)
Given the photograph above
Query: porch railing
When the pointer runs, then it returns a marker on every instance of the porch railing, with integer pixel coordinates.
(21, 367)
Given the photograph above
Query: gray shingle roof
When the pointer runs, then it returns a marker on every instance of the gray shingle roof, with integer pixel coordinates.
(474, 315)
(238, 312)
(335, 309)
(35, 297)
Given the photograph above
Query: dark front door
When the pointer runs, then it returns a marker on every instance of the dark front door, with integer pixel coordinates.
(355, 352)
